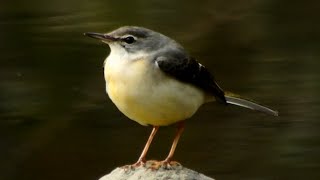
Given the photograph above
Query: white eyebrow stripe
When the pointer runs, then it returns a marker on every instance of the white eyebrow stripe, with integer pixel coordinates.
(129, 35)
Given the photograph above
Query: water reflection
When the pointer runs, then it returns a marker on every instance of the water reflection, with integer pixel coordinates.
(57, 122)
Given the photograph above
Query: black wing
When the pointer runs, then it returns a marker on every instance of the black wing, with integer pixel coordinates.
(187, 69)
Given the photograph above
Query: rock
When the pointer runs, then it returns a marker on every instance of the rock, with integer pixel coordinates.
(153, 171)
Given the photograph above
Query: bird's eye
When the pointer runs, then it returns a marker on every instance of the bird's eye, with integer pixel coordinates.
(129, 39)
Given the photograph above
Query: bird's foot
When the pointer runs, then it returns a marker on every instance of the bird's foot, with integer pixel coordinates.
(140, 162)
(166, 164)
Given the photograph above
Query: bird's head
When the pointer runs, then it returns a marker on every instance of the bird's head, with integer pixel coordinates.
(133, 40)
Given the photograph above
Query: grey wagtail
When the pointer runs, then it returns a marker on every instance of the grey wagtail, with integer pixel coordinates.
(154, 81)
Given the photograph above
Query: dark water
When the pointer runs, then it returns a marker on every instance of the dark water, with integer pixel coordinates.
(56, 122)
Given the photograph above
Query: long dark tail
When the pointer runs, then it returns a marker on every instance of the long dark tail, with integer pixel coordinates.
(236, 100)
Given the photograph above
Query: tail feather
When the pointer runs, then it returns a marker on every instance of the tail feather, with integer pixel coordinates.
(235, 100)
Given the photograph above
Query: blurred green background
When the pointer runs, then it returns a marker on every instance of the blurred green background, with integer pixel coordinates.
(56, 122)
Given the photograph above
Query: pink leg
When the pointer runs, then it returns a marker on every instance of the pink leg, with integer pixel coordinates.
(175, 142)
(142, 158)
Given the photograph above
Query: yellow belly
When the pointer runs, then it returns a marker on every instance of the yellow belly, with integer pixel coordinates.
(147, 96)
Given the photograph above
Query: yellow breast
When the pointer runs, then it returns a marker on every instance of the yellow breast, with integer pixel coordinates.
(144, 94)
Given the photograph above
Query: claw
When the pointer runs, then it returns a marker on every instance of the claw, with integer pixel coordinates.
(156, 165)
(167, 164)
(135, 165)
(139, 163)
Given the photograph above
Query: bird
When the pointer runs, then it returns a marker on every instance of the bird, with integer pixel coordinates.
(154, 81)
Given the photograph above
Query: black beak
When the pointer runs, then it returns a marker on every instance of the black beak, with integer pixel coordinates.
(100, 36)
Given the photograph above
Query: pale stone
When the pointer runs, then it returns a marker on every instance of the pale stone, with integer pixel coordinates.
(148, 172)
